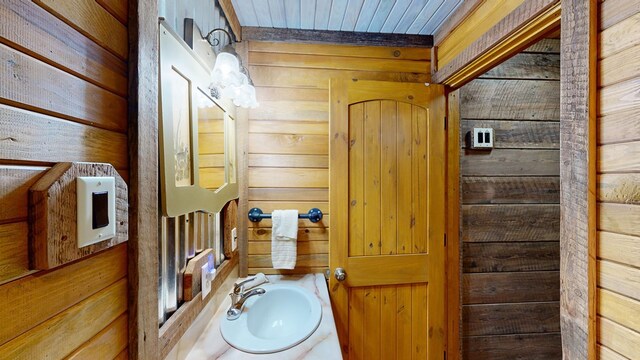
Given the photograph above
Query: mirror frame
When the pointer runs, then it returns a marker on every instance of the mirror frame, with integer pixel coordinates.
(176, 56)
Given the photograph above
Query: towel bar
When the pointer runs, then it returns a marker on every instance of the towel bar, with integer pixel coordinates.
(256, 214)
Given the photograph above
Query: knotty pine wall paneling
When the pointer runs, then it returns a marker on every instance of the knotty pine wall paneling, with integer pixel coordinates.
(289, 134)
(63, 98)
(510, 210)
(618, 181)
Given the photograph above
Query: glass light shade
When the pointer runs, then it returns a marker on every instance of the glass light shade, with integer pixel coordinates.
(226, 71)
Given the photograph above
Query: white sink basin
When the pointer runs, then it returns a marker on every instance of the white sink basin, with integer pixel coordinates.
(281, 318)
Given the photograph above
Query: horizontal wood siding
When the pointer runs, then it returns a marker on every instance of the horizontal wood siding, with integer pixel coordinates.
(510, 210)
(289, 133)
(618, 182)
(63, 98)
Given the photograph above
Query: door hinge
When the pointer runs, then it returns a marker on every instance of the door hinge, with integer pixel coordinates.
(445, 123)
(445, 239)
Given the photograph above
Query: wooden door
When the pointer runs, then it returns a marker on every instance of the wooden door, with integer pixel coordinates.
(387, 171)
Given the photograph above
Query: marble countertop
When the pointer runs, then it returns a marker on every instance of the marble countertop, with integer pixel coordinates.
(322, 344)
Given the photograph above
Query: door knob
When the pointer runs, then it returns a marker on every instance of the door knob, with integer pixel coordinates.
(340, 274)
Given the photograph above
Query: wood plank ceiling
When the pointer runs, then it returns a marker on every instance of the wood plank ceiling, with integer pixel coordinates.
(421, 17)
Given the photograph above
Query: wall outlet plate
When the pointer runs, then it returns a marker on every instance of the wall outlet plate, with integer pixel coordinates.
(86, 187)
(207, 276)
(234, 239)
(482, 138)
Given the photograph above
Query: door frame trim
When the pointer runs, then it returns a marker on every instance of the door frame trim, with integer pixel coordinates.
(578, 156)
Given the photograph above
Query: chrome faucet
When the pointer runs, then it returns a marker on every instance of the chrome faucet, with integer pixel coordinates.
(238, 300)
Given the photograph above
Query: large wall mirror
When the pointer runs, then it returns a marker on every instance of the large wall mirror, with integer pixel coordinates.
(197, 134)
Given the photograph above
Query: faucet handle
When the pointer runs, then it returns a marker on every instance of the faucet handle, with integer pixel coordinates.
(260, 278)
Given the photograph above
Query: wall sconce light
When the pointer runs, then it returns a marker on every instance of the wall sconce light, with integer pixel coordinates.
(229, 78)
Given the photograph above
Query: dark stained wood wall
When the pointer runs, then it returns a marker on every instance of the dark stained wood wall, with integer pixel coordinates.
(510, 211)
(63, 98)
(618, 181)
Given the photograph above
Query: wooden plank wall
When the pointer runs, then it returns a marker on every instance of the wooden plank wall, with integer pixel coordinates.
(63, 98)
(288, 133)
(618, 182)
(510, 211)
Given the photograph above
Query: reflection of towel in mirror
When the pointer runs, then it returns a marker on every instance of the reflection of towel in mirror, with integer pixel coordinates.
(284, 236)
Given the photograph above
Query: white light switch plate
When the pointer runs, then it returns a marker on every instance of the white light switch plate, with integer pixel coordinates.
(205, 280)
(85, 187)
(234, 239)
(482, 138)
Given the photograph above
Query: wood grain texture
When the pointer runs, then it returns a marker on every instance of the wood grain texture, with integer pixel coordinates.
(453, 199)
(513, 31)
(478, 22)
(93, 21)
(64, 95)
(616, 38)
(547, 45)
(605, 353)
(511, 162)
(620, 278)
(510, 287)
(610, 159)
(510, 257)
(15, 182)
(14, 259)
(619, 188)
(622, 96)
(60, 45)
(578, 178)
(319, 78)
(290, 194)
(619, 218)
(288, 155)
(107, 344)
(118, 8)
(619, 67)
(507, 347)
(506, 319)
(53, 213)
(516, 134)
(380, 52)
(29, 136)
(500, 251)
(41, 296)
(335, 37)
(231, 16)
(527, 66)
(620, 248)
(613, 12)
(458, 16)
(620, 309)
(291, 161)
(511, 190)
(619, 127)
(618, 338)
(336, 63)
(143, 192)
(53, 338)
(518, 223)
(193, 275)
(510, 99)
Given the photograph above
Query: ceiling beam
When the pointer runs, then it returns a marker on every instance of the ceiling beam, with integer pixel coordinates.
(336, 37)
(459, 15)
(232, 18)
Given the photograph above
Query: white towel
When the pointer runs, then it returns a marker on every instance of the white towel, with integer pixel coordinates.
(284, 236)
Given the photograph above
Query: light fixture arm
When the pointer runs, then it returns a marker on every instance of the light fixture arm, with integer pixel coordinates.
(215, 43)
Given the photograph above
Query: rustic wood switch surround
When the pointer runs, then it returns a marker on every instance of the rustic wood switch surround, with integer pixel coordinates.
(52, 215)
